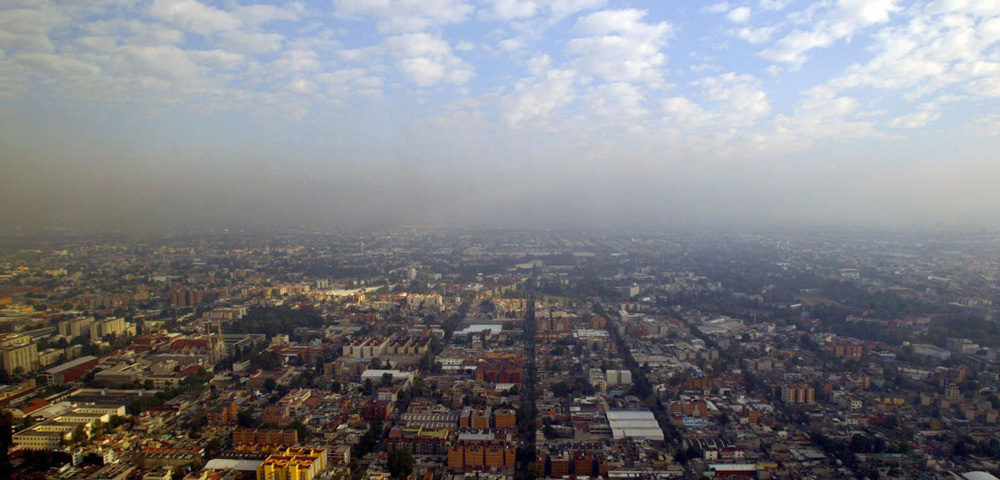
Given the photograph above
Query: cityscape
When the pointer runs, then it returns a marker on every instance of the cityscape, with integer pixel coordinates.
(500, 354)
(499, 239)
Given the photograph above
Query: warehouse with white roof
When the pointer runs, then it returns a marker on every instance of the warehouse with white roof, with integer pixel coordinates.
(634, 424)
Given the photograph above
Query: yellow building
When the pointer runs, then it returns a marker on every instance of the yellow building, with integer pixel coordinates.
(101, 328)
(295, 463)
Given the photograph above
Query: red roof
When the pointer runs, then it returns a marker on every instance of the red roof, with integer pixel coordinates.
(35, 404)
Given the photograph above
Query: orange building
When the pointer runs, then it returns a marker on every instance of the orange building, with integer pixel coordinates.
(456, 457)
(222, 414)
(847, 350)
(265, 436)
(481, 451)
(504, 418)
(276, 415)
(558, 466)
(499, 368)
(481, 418)
(473, 456)
(185, 297)
(798, 394)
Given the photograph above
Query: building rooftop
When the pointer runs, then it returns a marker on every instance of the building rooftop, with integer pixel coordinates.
(238, 465)
(634, 424)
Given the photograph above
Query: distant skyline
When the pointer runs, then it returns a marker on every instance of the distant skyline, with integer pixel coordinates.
(156, 114)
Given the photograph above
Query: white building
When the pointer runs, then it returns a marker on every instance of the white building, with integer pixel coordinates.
(634, 424)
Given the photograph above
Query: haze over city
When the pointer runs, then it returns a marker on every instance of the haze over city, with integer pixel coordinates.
(499, 240)
(138, 114)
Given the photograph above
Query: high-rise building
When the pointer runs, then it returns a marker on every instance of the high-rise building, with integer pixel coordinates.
(101, 328)
(952, 393)
(19, 359)
(185, 297)
(798, 394)
(75, 327)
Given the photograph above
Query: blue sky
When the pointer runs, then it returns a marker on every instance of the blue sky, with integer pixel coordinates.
(446, 110)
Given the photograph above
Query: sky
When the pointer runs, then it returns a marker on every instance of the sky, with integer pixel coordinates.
(119, 114)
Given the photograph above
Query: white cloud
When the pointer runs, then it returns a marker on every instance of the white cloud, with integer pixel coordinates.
(509, 10)
(403, 16)
(134, 32)
(426, 60)
(260, 14)
(618, 101)
(302, 85)
(739, 99)
(564, 8)
(237, 30)
(987, 125)
(58, 65)
(836, 23)
(341, 84)
(684, 110)
(611, 69)
(511, 44)
(739, 15)
(218, 59)
(116, 55)
(730, 101)
(979, 8)
(164, 61)
(28, 28)
(823, 103)
(774, 4)
(948, 44)
(720, 7)
(421, 70)
(297, 61)
(702, 68)
(620, 47)
(988, 87)
(96, 43)
(540, 95)
(914, 120)
(755, 35)
(821, 114)
(252, 42)
(194, 16)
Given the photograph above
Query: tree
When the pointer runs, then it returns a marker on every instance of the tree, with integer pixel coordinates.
(245, 419)
(301, 429)
(79, 434)
(270, 384)
(213, 446)
(427, 363)
(386, 379)
(400, 463)
(561, 389)
(6, 421)
(198, 421)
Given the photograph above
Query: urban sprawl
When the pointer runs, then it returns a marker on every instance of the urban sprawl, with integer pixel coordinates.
(422, 353)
